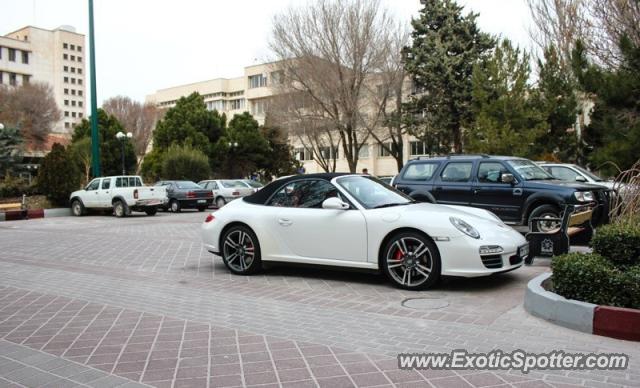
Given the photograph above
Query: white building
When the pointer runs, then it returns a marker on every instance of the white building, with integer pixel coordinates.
(56, 57)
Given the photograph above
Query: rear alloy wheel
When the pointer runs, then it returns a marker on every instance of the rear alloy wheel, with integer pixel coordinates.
(545, 211)
(120, 209)
(220, 202)
(241, 250)
(175, 206)
(77, 208)
(411, 261)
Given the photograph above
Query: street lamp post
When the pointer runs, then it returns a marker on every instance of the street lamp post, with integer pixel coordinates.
(123, 137)
(232, 146)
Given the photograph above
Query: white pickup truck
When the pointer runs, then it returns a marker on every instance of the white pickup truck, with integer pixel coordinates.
(123, 194)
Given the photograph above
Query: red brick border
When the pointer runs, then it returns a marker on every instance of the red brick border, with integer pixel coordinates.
(617, 322)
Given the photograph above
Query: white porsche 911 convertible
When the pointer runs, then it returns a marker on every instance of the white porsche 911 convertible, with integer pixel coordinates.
(357, 221)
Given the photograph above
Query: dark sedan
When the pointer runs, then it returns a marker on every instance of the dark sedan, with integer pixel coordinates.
(186, 195)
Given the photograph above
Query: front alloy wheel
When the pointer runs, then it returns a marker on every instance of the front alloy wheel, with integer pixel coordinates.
(241, 251)
(77, 208)
(411, 261)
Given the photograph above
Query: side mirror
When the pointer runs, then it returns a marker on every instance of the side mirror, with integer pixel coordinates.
(507, 178)
(334, 203)
(580, 178)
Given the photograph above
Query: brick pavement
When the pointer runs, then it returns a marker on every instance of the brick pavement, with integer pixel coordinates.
(137, 301)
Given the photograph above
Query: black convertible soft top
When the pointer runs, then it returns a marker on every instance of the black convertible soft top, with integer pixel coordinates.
(262, 195)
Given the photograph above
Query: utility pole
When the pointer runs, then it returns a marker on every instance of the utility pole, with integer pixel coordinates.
(95, 136)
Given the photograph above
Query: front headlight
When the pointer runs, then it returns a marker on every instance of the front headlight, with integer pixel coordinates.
(464, 227)
(583, 196)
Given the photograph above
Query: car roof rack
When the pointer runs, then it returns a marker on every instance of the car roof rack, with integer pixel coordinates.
(484, 156)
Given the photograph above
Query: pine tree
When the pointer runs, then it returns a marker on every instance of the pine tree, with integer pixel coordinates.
(59, 175)
(446, 46)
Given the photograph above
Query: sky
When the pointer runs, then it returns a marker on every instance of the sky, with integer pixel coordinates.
(146, 45)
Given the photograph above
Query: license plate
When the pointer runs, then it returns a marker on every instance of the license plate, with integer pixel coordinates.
(523, 251)
(202, 200)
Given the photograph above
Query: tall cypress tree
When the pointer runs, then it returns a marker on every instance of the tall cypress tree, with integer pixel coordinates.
(446, 46)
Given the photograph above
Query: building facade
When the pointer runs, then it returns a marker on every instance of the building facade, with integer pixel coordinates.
(251, 93)
(55, 57)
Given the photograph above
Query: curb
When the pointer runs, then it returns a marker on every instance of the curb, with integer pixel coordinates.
(615, 322)
(15, 215)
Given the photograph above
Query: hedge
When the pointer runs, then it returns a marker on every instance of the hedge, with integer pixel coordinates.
(594, 279)
(619, 243)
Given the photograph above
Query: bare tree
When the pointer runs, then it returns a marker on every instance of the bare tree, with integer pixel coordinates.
(32, 108)
(328, 50)
(559, 23)
(613, 19)
(138, 118)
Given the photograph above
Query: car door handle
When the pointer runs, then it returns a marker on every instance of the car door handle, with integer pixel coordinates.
(285, 222)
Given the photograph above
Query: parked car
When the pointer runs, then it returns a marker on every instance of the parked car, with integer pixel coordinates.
(351, 220)
(388, 179)
(226, 190)
(255, 185)
(186, 195)
(513, 188)
(574, 173)
(123, 194)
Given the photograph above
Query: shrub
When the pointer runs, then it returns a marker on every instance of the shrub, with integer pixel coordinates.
(619, 243)
(632, 280)
(59, 175)
(185, 163)
(13, 186)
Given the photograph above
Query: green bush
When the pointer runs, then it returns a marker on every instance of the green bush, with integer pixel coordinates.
(59, 175)
(13, 186)
(619, 243)
(592, 278)
(185, 163)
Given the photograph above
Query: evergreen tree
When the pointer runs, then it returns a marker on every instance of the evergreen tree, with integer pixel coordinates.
(10, 142)
(185, 163)
(446, 46)
(556, 92)
(614, 132)
(507, 118)
(59, 175)
(110, 145)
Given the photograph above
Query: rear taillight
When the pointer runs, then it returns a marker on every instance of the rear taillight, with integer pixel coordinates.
(235, 193)
(135, 194)
(212, 194)
(191, 194)
(209, 218)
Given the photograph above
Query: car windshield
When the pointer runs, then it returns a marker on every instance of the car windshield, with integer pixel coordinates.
(254, 184)
(187, 185)
(589, 174)
(529, 170)
(233, 184)
(372, 193)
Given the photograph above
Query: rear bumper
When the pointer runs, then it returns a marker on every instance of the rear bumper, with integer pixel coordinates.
(195, 202)
(150, 202)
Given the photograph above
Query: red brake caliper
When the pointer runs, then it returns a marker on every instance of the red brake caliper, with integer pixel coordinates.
(398, 255)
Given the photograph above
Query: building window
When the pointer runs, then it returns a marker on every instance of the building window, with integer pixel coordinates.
(65, 56)
(236, 104)
(257, 81)
(0, 52)
(277, 77)
(80, 104)
(65, 46)
(13, 79)
(73, 92)
(25, 57)
(364, 151)
(25, 79)
(66, 91)
(12, 55)
(417, 148)
(73, 69)
(66, 125)
(302, 154)
(72, 47)
(79, 59)
(1, 78)
(216, 105)
(384, 151)
(80, 114)
(73, 80)
(79, 48)
(65, 68)
(73, 57)
(80, 92)
(73, 103)
(73, 114)
(259, 107)
(329, 152)
(66, 102)
(66, 113)
(66, 80)
(79, 81)
(79, 71)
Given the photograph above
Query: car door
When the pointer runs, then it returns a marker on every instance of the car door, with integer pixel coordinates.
(213, 186)
(309, 231)
(90, 197)
(453, 185)
(490, 193)
(104, 193)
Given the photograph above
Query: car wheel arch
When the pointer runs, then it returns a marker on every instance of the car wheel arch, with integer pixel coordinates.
(116, 199)
(537, 202)
(394, 232)
(76, 198)
(229, 226)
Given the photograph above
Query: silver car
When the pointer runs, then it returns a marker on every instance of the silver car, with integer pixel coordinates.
(226, 190)
(255, 185)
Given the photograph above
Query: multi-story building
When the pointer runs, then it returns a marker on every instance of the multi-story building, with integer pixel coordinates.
(55, 57)
(251, 93)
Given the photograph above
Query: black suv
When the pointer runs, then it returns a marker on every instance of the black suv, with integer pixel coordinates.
(515, 189)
